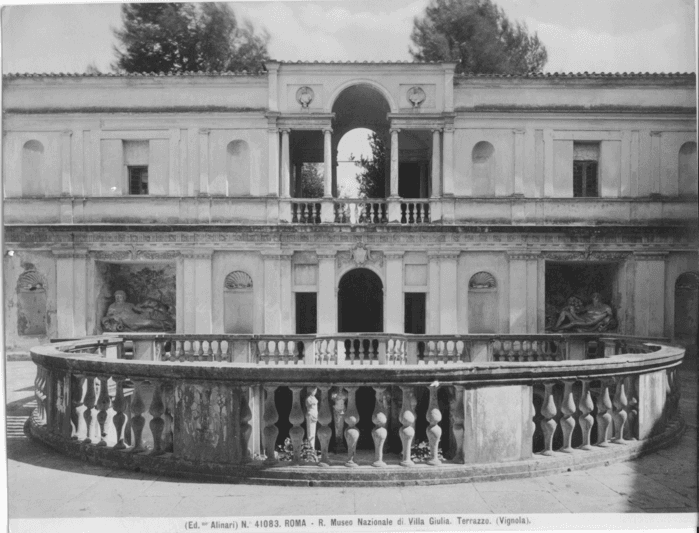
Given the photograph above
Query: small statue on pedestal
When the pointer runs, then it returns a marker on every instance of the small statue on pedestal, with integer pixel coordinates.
(149, 315)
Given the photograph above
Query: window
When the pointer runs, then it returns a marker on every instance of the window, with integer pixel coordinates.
(585, 170)
(138, 180)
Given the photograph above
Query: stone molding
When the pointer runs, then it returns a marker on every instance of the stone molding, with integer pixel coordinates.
(393, 254)
(134, 255)
(650, 256)
(205, 253)
(326, 254)
(587, 255)
(523, 255)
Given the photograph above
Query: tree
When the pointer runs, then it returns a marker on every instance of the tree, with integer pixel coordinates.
(312, 185)
(477, 35)
(372, 180)
(173, 38)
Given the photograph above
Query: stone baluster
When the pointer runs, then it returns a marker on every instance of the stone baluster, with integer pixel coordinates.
(181, 355)
(89, 402)
(77, 393)
(379, 433)
(138, 421)
(119, 406)
(434, 432)
(407, 420)
(604, 417)
(218, 354)
(311, 415)
(245, 426)
(586, 419)
(40, 393)
(456, 411)
(296, 418)
(351, 433)
(324, 419)
(157, 424)
(548, 424)
(209, 350)
(103, 402)
(270, 417)
(631, 428)
(200, 351)
(619, 414)
(567, 421)
(338, 397)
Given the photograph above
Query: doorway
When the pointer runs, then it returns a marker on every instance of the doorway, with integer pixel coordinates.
(360, 302)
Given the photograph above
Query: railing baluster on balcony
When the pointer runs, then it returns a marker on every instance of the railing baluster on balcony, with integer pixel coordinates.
(379, 433)
(103, 403)
(567, 420)
(586, 419)
(89, 402)
(138, 422)
(407, 420)
(324, 420)
(296, 418)
(40, 384)
(157, 424)
(351, 433)
(619, 415)
(77, 393)
(270, 416)
(245, 427)
(631, 427)
(604, 416)
(434, 432)
(548, 424)
(119, 406)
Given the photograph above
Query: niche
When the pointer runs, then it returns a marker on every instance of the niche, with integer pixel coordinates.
(31, 303)
(482, 303)
(238, 304)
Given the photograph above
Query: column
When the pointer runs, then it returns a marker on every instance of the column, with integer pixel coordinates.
(80, 259)
(649, 294)
(656, 167)
(394, 292)
(197, 291)
(524, 295)
(66, 188)
(327, 160)
(448, 156)
(287, 319)
(447, 293)
(327, 295)
(64, 293)
(273, 162)
(436, 169)
(286, 174)
(518, 185)
(394, 163)
(297, 182)
(272, 292)
(432, 318)
(204, 161)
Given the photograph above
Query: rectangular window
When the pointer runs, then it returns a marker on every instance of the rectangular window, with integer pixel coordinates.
(415, 306)
(585, 170)
(138, 180)
(306, 313)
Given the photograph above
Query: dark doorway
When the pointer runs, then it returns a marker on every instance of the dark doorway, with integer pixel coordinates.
(306, 313)
(360, 302)
(415, 312)
(409, 180)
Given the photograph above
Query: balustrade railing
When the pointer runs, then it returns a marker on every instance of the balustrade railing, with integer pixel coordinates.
(415, 212)
(361, 211)
(393, 391)
(305, 212)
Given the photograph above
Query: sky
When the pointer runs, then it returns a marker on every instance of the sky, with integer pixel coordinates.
(580, 35)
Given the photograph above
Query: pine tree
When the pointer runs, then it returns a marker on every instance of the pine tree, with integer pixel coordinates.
(372, 180)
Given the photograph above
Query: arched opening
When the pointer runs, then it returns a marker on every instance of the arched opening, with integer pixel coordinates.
(360, 172)
(238, 303)
(360, 302)
(238, 168)
(32, 166)
(687, 168)
(483, 169)
(687, 309)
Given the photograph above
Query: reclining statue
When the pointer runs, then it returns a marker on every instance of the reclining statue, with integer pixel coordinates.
(597, 316)
(149, 315)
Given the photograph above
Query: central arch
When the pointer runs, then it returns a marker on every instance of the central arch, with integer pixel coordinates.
(360, 302)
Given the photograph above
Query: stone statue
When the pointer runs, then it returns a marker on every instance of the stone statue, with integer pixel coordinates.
(597, 316)
(149, 315)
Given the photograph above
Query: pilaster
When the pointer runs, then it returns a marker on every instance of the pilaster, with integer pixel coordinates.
(327, 295)
(204, 161)
(71, 296)
(272, 292)
(518, 185)
(66, 185)
(448, 156)
(432, 318)
(394, 292)
(198, 291)
(649, 293)
(448, 309)
(523, 291)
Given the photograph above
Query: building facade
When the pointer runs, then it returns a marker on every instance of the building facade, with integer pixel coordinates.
(505, 197)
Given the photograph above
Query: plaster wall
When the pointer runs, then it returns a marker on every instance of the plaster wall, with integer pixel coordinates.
(496, 264)
(225, 262)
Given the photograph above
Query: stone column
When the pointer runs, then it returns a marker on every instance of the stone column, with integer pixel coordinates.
(287, 319)
(197, 291)
(656, 166)
(436, 168)
(518, 185)
(394, 163)
(432, 318)
(273, 162)
(204, 161)
(297, 183)
(523, 292)
(286, 174)
(64, 292)
(327, 295)
(272, 292)
(394, 292)
(448, 309)
(448, 157)
(327, 160)
(649, 294)
(80, 304)
(66, 186)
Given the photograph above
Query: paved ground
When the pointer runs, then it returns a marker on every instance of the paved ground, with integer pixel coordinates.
(42, 484)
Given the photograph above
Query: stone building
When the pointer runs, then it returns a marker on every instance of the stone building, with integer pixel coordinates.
(505, 196)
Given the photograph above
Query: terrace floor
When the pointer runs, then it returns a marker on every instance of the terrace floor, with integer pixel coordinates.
(43, 484)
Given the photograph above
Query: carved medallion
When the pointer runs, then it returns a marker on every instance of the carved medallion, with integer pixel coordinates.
(304, 96)
(359, 256)
(416, 96)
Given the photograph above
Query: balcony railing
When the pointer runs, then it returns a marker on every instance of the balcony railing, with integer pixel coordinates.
(357, 211)
(487, 405)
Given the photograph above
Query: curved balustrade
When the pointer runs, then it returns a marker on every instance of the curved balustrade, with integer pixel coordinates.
(221, 406)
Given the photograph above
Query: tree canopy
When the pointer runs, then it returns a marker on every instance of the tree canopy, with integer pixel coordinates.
(478, 36)
(312, 183)
(372, 180)
(174, 38)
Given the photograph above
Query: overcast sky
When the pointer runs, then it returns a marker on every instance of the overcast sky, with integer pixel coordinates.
(589, 35)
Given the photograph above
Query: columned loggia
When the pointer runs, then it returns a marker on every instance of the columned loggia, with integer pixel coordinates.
(436, 167)
(285, 165)
(327, 160)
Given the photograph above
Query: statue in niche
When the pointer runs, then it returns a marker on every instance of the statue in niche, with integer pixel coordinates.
(575, 317)
(148, 315)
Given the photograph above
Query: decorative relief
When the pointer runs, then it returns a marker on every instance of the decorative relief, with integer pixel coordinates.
(113, 255)
(237, 280)
(482, 280)
(587, 255)
(304, 96)
(416, 96)
(359, 256)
